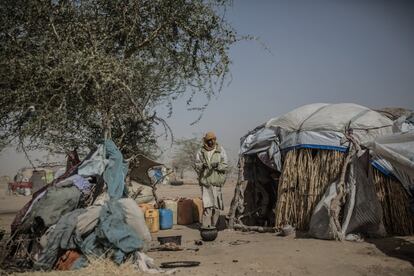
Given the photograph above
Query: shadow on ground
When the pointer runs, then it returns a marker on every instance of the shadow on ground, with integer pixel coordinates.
(221, 224)
(395, 247)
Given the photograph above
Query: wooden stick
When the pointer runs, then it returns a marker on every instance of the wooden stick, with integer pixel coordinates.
(237, 194)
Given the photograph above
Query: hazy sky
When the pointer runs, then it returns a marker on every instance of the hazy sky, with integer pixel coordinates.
(321, 51)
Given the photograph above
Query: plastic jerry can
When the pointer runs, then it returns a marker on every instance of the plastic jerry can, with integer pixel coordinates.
(145, 206)
(152, 220)
(185, 211)
(166, 219)
(172, 205)
(197, 209)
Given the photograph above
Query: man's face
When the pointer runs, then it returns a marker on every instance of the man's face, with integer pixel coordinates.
(210, 142)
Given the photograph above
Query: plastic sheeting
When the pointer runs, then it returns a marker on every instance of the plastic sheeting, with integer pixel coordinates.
(145, 192)
(113, 227)
(362, 211)
(319, 126)
(134, 217)
(364, 208)
(398, 150)
(320, 226)
(114, 232)
(76, 180)
(51, 206)
(116, 171)
(116, 228)
(140, 172)
(95, 164)
(60, 238)
(107, 160)
(258, 140)
(334, 117)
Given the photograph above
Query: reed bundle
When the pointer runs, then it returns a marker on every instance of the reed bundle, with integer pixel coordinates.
(394, 201)
(305, 177)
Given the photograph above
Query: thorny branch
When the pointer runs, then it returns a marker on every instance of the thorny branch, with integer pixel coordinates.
(79, 61)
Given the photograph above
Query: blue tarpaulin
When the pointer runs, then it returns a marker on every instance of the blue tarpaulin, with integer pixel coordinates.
(109, 162)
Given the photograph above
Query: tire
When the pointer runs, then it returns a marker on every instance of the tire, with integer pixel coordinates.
(176, 183)
(179, 264)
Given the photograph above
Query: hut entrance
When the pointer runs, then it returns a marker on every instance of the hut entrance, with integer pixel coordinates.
(260, 194)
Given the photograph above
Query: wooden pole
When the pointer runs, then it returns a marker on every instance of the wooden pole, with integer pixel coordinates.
(237, 195)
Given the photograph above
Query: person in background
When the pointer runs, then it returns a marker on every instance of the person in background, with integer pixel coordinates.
(211, 167)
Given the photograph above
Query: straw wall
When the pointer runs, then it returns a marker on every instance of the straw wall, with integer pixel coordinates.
(394, 202)
(305, 177)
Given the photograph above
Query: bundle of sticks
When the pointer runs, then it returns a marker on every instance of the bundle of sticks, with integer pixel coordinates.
(306, 175)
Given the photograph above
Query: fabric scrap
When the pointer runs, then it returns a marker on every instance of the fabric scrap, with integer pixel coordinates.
(87, 221)
(95, 165)
(80, 182)
(113, 230)
(50, 208)
(67, 260)
(61, 238)
(116, 171)
(135, 218)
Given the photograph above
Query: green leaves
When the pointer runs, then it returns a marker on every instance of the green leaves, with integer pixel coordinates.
(186, 150)
(102, 65)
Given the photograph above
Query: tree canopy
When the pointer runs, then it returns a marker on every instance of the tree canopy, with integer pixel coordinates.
(72, 70)
(185, 154)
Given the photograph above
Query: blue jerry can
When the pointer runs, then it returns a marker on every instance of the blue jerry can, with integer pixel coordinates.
(166, 219)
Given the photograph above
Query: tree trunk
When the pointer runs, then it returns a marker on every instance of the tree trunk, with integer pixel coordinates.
(107, 126)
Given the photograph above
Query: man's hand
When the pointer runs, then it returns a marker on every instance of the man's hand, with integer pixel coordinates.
(214, 165)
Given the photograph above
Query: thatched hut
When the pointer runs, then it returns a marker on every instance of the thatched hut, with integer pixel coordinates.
(310, 169)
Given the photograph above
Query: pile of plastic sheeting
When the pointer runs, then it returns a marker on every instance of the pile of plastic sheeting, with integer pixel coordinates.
(83, 215)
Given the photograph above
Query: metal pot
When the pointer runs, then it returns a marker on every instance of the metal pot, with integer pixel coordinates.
(208, 233)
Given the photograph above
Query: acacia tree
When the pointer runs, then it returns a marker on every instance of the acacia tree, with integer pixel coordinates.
(185, 154)
(74, 71)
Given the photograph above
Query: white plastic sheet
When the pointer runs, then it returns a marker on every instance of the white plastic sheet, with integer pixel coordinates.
(398, 150)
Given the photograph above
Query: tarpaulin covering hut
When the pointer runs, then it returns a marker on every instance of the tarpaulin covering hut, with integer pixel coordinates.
(309, 168)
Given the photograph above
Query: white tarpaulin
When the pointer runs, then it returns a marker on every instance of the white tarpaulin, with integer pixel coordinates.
(319, 125)
(327, 118)
(398, 150)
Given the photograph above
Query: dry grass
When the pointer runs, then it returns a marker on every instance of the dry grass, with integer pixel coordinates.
(305, 177)
(96, 267)
(394, 202)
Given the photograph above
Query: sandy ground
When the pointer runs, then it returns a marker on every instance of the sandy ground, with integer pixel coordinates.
(238, 253)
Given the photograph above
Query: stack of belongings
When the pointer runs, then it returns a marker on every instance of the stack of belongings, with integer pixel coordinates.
(84, 214)
(313, 169)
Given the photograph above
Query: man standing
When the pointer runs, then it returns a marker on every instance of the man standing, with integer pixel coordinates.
(211, 167)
